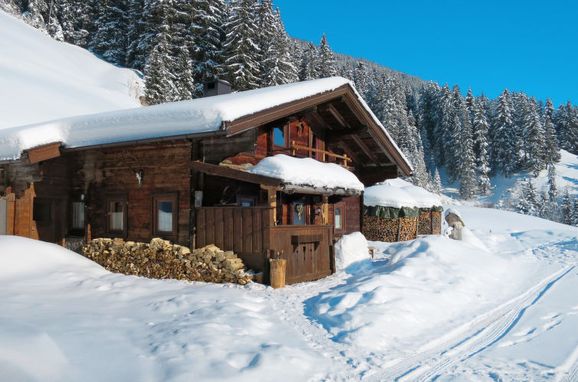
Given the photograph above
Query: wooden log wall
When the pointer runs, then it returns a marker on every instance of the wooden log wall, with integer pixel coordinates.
(165, 169)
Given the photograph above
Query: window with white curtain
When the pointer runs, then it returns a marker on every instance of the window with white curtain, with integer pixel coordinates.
(165, 214)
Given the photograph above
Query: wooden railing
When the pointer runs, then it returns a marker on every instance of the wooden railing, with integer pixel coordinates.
(295, 147)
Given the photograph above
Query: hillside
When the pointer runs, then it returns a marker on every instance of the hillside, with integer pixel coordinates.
(43, 79)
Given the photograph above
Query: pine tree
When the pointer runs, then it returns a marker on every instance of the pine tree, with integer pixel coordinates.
(437, 182)
(566, 121)
(528, 201)
(183, 82)
(276, 64)
(534, 152)
(504, 150)
(566, 209)
(552, 188)
(462, 141)
(159, 85)
(551, 149)
(241, 49)
(208, 36)
(109, 42)
(360, 79)
(481, 128)
(326, 59)
(308, 68)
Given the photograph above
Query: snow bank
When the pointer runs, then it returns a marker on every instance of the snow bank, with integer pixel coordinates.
(196, 116)
(429, 282)
(300, 174)
(43, 79)
(24, 257)
(64, 318)
(398, 193)
(350, 249)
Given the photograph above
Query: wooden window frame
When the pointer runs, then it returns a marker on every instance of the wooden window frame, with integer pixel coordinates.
(73, 230)
(341, 206)
(286, 145)
(163, 197)
(124, 200)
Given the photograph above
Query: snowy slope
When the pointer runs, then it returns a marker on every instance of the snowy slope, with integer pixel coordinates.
(42, 79)
(427, 309)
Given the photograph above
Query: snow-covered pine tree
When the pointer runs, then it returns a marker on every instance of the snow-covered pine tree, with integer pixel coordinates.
(326, 59)
(503, 148)
(109, 41)
(528, 200)
(480, 132)
(427, 121)
(77, 18)
(308, 68)
(437, 182)
(447, 118)
(566, 208)
(35, 13)
(144, 33)
(183, 82)
(551, 148)
(470, 100)
(360, 79)
(159, 85)
(208, 37)
(463, 144)
(574, 218)
(566, 120)
(276, 64)
(241, 49)
(534, 139)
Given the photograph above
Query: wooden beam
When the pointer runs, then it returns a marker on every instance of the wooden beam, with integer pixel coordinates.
(336, 115)
(44, 152)
(364, 148)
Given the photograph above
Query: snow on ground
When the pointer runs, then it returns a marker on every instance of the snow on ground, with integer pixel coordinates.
(426, 309)
(43, 79)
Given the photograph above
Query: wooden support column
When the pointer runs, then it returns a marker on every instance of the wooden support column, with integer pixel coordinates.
(325, 209)
(272, 203)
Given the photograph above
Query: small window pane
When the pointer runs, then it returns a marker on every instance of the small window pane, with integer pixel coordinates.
(279, 137)
(116, 209)
(338, 224)
(77, 215)
(165, 216)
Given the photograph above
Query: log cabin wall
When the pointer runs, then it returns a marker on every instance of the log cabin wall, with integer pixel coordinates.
(111, 175)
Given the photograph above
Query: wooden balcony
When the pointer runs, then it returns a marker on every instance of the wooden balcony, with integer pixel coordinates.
(249, 232)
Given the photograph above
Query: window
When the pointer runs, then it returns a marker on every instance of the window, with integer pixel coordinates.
(42, 211)
(165, 214)
(338, 220)
(117, 215)
(77, 216)
(298, 212)
(279, 138)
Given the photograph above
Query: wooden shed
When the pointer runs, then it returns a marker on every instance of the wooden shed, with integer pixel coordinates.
(182, 171)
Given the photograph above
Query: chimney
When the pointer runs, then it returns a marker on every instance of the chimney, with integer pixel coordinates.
(216, 87)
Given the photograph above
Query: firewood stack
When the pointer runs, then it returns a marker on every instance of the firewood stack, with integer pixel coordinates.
(160, 259)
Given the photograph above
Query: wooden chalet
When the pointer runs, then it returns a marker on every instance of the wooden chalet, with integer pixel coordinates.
(180, 171)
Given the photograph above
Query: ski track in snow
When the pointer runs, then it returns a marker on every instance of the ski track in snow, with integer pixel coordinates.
(472, 338)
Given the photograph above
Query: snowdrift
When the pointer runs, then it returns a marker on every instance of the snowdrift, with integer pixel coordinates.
(43, 79)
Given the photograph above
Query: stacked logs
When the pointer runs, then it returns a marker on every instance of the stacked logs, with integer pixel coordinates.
(389, 230)
(160, 259)
(429, 222)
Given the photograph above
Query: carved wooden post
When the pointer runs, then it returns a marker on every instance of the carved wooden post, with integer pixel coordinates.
(325, 210)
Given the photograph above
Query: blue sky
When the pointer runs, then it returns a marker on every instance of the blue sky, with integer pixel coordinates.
(529, 46)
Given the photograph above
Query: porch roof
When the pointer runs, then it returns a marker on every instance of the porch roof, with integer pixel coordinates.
(291, 175)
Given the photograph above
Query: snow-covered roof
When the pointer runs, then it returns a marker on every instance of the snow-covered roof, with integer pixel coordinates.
(307, 175)
(398, 193)
(196, 116)
(202, 115)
